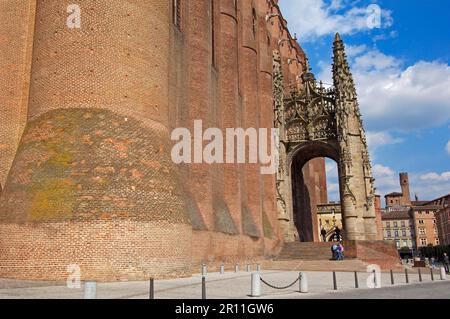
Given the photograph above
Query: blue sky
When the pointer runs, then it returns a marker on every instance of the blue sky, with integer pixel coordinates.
(403, 81)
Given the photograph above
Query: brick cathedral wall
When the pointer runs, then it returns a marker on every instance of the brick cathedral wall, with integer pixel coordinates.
(93, 169)
(16, 37)
(94, 166)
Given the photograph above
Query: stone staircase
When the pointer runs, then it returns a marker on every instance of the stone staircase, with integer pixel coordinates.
(299, 256)
(305, 251)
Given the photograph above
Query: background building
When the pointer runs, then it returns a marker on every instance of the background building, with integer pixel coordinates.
(398, 227)
(425, 227)
(443, 225)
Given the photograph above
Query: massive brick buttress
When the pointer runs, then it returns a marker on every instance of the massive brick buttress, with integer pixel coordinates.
(92, 183)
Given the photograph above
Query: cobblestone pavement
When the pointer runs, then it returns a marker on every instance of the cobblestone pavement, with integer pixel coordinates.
(237, 286)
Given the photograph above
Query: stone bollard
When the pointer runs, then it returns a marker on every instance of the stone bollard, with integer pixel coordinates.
(204, 270)
(222, 269)
(443, 274)
(256, 285)
(236, 268)
(258, 268)
(90, 290)
(249, 268)
(303, 279)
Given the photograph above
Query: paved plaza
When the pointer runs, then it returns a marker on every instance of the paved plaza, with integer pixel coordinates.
(238, 286)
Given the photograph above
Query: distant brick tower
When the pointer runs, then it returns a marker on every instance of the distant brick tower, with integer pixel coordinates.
(406, 193)
(92, 183)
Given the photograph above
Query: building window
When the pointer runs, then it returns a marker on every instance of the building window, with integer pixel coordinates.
(395, 224)
(396, 233)
(404, 233)
(177, 13)
(423, 242)
(398, 244)
(437, 242)
(389, 234)
(403, 224)
(388, 224)
(421, 222)
(422, 231)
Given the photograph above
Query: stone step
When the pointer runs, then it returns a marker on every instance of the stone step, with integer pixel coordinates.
(305, 251)
(348, 265)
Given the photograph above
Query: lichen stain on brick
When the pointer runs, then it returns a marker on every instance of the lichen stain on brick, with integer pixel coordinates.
(76, 165)
(52, 200)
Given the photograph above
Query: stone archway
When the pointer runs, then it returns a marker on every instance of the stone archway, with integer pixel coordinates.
(325, 122)
(305, 196)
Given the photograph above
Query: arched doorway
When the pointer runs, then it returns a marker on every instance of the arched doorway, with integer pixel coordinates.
(309, 190)
(317, 122)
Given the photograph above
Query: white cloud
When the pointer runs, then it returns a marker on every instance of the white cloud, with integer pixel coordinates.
(379, 139)
(394, 98)
(316, 18)
(447, 148)
(382, 171)
(435, 177)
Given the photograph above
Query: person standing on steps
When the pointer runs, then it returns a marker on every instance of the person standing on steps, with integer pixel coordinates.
(446, 263)
(337, 234)
(323, 233)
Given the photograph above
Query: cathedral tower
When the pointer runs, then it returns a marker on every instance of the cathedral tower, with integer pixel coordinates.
(358, 191)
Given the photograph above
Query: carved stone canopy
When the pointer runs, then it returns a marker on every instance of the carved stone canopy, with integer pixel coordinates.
(310, 114)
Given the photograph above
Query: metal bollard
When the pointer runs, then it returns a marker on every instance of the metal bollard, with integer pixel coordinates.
(90, 290)
(204, 270)
(334, 281)
(236, 268)
(420, 275)
(432, 274)
(392, 278)
(375, 281)
(256, 285)
(303, 282)
(249, 268)
(443, 274)
(152, 288)
(258, 268)
(356, 280)
(203, 288)
(222, 269)
(406, 276)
